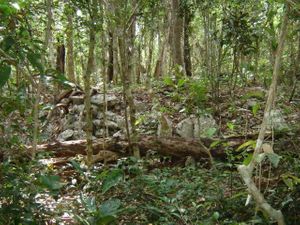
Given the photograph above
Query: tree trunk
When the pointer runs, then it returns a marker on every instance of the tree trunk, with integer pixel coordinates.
(110, 66)
(49, 35)
(70, 46)
(60, 58)
(187, 47)
(87, 85)
(149, 62)
(176, 34)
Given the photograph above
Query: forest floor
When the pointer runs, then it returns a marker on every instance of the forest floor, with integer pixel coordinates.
(163, 190)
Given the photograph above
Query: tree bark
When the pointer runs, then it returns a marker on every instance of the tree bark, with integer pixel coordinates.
(49, 35)
(176, 35)
(110, 66)
(187, 47)
(87, 85)
(70, 46)
(60, 58)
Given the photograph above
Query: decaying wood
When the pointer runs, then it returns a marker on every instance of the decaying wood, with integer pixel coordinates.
(112, 149)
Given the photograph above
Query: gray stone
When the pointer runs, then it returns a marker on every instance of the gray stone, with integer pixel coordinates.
(79, 134)
(119, 135)
(195, 127)
(66, 135)
(185, 128)
(99, 99)
(97, 123)
(112, 125)
(77, 109)
(202, 124)
(277, 120)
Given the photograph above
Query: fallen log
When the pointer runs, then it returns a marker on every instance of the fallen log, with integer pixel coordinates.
(112, 149)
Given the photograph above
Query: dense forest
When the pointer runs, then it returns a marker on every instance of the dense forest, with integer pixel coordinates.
(150, 112)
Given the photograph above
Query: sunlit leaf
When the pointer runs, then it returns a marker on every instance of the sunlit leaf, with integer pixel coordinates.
(168, 81)
(214, 144)
(250, 143)
(248, 159)
(181, 82)
(255, 108)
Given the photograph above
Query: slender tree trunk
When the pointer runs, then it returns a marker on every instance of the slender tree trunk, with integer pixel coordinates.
(110, 66)
(187, 47)
(49, 46)
(149, 62)
(139, 62)
(70, 47)
(36, 117)
(247, 171)
(87, 84)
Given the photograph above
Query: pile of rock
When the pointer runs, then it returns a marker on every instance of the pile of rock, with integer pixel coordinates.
(72, 122)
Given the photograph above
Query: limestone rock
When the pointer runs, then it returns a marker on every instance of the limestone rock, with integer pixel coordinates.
(185, 128)
(99, 99)
(66, 135)
(195, 127)
(202, 124)
(277, 121)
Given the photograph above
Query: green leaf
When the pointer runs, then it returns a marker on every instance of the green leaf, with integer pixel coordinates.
(274, 159)
(77, 166)
(180, 83)
(248, 159)
(112, 179)
(251, 143)
(51, 182)
(89, 203)
(230, 126)
(110, 207)
(168, 81)
(215, 144)
(104, 220)
(255, 109)
(216, 216)
(290, 180)
(5, 72)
